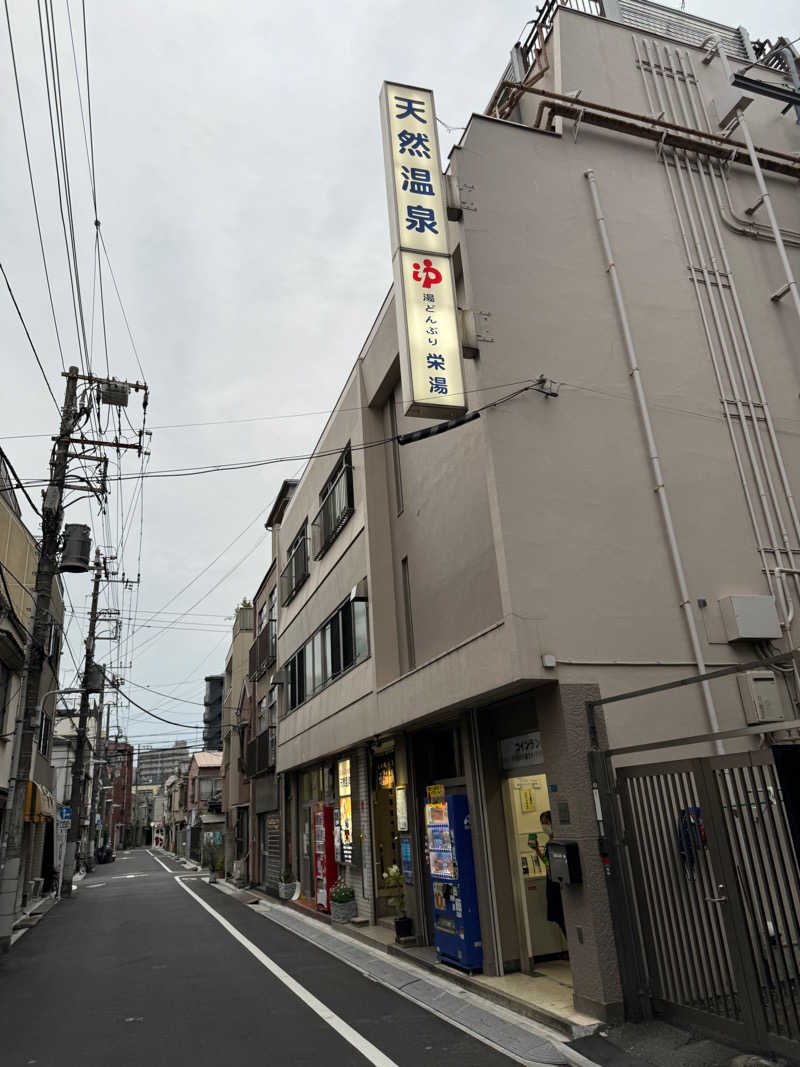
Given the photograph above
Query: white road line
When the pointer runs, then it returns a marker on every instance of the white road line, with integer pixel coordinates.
(367, 1049)
(150, 854)
(95, 885)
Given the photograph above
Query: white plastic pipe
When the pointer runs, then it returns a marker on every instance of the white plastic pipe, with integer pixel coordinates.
(655, 462)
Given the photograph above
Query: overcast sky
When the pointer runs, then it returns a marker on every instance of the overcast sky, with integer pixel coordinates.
(240, 189)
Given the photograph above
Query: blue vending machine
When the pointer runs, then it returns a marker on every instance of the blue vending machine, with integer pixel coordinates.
(457, 928)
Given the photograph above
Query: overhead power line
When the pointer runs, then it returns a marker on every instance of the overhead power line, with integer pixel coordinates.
(33, 346)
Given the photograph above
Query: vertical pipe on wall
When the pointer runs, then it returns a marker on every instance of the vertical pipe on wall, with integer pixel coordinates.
(655, 463)
(744, 404)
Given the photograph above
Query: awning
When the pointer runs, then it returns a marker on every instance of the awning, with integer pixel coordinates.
(40, 804)
(212, 819)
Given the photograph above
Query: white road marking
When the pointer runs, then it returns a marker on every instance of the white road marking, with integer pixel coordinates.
(150, 854)
(95, 885)
(369, 1051)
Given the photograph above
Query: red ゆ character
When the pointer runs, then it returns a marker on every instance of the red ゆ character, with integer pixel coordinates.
(427, 274)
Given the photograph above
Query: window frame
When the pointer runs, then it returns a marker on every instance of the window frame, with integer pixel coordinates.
(342, 625)
(300, 539)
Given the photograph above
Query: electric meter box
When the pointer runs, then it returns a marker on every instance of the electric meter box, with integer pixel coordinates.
(565, 862)
(750, 618)
(761, 697)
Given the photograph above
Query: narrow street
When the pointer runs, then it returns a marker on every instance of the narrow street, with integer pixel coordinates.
(137, 970)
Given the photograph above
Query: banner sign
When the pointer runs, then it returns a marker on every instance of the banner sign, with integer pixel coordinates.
(424, 288)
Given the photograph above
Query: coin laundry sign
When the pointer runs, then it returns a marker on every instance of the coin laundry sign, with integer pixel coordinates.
(424, 289)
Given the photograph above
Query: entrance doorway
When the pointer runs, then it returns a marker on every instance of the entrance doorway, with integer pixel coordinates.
(526, 800)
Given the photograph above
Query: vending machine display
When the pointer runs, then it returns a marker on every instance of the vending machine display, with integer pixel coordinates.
(324, 855)
(457, 930)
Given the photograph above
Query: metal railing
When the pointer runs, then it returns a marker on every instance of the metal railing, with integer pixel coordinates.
(295, 572)
(261, 752)
(335, 510)
(264, 649)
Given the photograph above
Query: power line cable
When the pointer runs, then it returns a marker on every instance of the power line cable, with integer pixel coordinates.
(30, 342)
(33, 186)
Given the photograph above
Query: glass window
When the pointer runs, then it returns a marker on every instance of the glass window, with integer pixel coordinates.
(309, 668)
(319, 663)
(347, 635)
(334, 636)
(262, 617)
(262, 714)
(360, 631)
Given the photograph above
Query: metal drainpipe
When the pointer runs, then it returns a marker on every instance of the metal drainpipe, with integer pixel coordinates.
(791, 284)
(655, 463)
(766, 488)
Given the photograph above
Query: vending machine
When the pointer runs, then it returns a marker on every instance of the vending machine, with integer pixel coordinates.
(457, 929)
(325, 873)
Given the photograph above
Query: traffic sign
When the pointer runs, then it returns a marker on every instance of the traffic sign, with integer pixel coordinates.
(65, 813)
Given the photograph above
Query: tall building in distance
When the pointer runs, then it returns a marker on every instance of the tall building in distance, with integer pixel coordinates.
(155, 765)
(212, 715)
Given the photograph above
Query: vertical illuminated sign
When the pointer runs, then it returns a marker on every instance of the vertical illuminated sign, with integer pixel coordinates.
(345, 812)
(424, 288)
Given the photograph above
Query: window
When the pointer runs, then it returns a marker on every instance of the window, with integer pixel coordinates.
(262, 715)
(336, 505)
(340, 643)
(296, 570)
(5, 685)
(206, 787)
(262, 618)
(272, 722)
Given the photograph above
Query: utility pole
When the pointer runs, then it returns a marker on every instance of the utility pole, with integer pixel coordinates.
(78, 774)
(99, 762)
(11, 840)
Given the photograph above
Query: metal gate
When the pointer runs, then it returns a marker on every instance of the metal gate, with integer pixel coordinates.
(717, 889)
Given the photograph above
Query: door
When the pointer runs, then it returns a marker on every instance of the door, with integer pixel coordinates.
(718, 895)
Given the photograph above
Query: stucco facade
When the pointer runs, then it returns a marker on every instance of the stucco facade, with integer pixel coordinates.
(561, 547)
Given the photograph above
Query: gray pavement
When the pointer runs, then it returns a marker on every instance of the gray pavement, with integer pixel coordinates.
(136, 970)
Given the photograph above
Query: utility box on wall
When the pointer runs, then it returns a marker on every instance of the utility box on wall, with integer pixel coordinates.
(750, 618)
(565, 862)
(760, 697)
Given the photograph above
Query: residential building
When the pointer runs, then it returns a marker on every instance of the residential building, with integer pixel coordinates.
(119, 799)
(155, 765)
(18, 562)
(142, 817)
(204, 802)
(450, 606)
(236, 789)
(261, 736)
(175, 811)
(212, 713)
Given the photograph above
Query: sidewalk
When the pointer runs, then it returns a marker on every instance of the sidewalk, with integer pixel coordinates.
(520, 1036)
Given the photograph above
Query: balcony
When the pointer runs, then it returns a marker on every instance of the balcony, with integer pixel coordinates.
(336, 509)
(296, 570)
(263, 650)
(261, 752)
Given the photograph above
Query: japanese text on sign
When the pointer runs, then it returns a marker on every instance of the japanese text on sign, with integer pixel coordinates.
(425, 301)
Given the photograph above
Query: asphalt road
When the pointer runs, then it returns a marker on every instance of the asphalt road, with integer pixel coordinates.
(137, 970)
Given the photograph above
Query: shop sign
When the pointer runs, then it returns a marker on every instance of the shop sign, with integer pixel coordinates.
(384, 771)
(346, 828)
(435, 794)
(522, 751)
(344, 777)
(401, 809)
(424, 289)
(405, 860)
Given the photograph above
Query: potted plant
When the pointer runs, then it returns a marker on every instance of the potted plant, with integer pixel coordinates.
(393, 881)
(343, 903)
(287, 884)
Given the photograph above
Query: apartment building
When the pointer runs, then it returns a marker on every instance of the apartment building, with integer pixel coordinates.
(615, 515)
(18, 562)
(155, 765)
(235, 785)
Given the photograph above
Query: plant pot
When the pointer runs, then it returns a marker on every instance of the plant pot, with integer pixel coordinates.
(343, 912)
(403, 927)
(286, 890)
